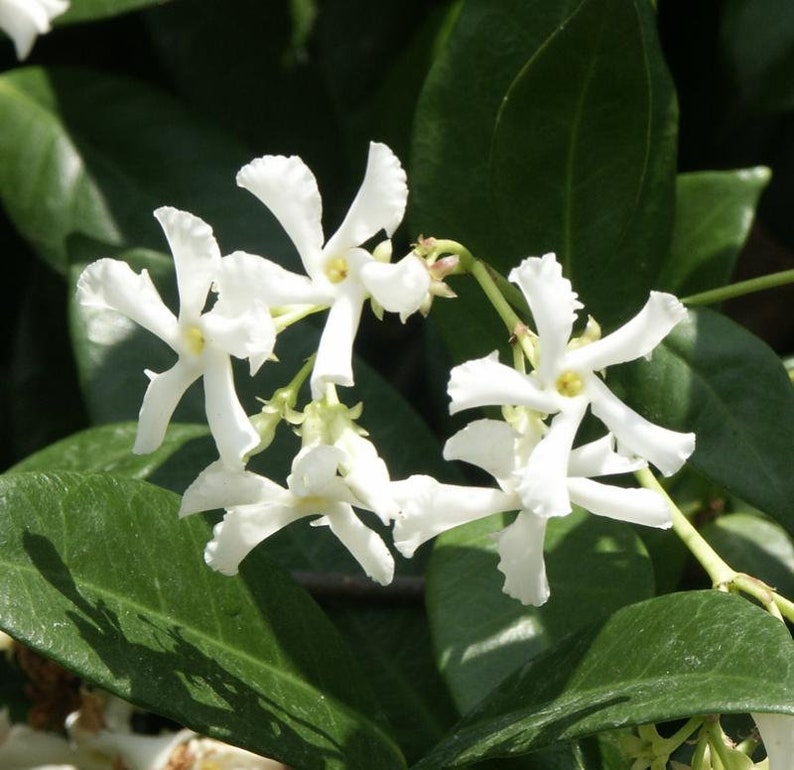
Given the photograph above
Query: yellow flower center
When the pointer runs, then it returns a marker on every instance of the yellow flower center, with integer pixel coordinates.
(569, 384)
(337, 269)
(194, 339)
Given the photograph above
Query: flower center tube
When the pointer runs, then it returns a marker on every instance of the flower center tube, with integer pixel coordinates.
(194, 340)
(570, 384)
(336, 269)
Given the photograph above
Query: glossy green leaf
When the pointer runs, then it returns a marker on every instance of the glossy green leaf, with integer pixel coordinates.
(480, 634)
(583, 155)
(108, 449)
(122, 597)
(561, 137)
(756, 546)
(715, 378)
(758, 42)
(87, 10)
(78, 157)
(713, 215)
(666, 658)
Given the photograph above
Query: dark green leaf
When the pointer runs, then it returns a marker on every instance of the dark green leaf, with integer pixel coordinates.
(94, 154)
(481, 635)
(715, 378)
(583, 156)
(87, 10)
(713, 214)
(99, 574)
(758, 40)
(108, 449)
(665, 658)
(560, 137)
(755, 546)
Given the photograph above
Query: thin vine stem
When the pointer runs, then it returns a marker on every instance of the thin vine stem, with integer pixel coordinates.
(739, 289)
(722, 575)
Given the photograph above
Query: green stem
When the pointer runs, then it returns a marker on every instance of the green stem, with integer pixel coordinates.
(294, 314)
(676, 739)
(717, 743)
(722, 575)
(741, 288)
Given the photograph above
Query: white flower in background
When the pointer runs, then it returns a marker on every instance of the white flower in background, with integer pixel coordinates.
(430, 508)
(341, 274)
(239, 324)
(777, 733)
(565, 382)
(24, 20)
(336, 470)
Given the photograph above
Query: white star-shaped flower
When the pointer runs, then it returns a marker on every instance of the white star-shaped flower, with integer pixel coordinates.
(566, 381)
(336, 470)
(239, 324)
(24, 20)
(340, 273)
(430, 508)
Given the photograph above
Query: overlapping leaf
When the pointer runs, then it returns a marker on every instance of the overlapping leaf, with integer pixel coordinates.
(481, 635)
(666, 658)
(99, 574)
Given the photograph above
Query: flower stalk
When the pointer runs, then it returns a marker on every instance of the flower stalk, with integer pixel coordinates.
(740, 288)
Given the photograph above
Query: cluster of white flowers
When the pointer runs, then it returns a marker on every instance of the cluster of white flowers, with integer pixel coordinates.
(24, 20)
(530, 453)
(99, 737)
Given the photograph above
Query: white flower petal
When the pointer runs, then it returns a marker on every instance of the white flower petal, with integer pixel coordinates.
(244, 527)
(638, 337)
(23, 747)
(486, 382)
(637, 506)
(488, 444)
(113, 284)
(245, 277)
(777, 732)
(379, 204)
(233, 432)
(366, 546)
(138, 752)
(314, 471)
(366, 475)
(161, 397)
(429, 508)
(521, 561)
(599, 458)
(24, 20)
(222, 486)
(542, 482)
(334, 362)
(196, 258)
(249, 334)
(400, 287)
(667, 449)
(288, 188)
(553, 304)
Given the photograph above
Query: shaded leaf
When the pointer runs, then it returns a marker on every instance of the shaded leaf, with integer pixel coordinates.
(758, 41)
(756, 546)
(108, 449)
(715, 378)
(123, 598)
(713, 215)
(662, 659)
(481, 635)
(561, 137)
(100, 169)
(87, 10)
